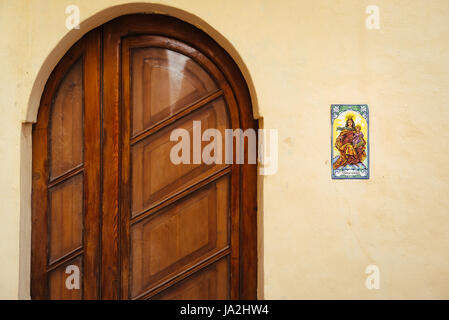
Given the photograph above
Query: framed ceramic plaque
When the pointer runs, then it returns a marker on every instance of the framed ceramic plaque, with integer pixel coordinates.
(350, 141)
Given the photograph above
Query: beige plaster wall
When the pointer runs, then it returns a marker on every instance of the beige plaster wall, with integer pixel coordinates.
(299, 56)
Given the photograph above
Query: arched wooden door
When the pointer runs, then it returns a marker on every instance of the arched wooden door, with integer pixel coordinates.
(107, 199)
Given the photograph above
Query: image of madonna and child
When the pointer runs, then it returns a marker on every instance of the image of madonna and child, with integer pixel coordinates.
(351, 144)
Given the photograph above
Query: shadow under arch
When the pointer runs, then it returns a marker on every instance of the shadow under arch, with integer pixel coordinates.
(110, 13)
(55, 55)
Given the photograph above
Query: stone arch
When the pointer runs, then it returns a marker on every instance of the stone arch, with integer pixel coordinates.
(101, 17)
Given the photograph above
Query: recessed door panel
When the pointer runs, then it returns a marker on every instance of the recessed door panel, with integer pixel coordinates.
(66, 132)
(211, 283)
(66, 218)
(164, 82)
(63, 287)
(169, 240)
(154, 175)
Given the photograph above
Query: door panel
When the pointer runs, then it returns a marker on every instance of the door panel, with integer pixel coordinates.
(210, 283)
(180, 235)
(163, 83)
(107, 198)
(65, 225)
(66, 123)
(57, 279)
(154, 176)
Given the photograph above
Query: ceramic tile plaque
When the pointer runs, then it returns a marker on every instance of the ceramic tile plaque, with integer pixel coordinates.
(350, 141)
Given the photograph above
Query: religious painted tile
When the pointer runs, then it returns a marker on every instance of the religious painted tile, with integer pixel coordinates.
(350, 141)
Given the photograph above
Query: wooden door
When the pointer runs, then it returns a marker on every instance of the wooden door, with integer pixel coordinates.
(66, 194)
(106, 196)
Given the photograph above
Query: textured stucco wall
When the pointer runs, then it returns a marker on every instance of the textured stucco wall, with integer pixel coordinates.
(317, 235)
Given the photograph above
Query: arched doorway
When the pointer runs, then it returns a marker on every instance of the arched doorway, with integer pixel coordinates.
(107, 200)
